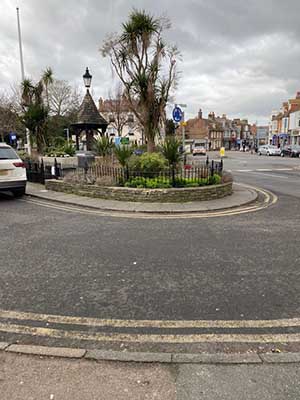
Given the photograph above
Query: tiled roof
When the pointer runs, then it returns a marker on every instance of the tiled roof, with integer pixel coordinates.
(88, 114)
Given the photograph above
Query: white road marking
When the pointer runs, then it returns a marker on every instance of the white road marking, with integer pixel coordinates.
(270, 175)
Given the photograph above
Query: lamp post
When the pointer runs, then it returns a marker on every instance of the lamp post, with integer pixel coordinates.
(87, 79)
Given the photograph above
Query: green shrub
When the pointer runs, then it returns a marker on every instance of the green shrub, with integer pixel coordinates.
(103, 146)
(123, 153)
(134, 163)
(152, 163)
(214, 180)
(165, 182)
(69, 149)
(149, 183)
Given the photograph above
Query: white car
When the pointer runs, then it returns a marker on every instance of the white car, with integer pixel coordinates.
(269, 150)
(198, 149)
(12, 171)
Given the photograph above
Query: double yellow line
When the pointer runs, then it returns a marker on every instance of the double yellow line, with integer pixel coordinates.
(14, 323)
(269, 199)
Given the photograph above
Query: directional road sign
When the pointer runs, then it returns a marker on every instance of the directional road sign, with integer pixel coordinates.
(177, 114)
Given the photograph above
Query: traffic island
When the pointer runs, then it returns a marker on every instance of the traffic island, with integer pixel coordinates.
(169, 195)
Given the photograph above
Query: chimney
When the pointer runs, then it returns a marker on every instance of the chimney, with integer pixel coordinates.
(200, 114)
(298, 95)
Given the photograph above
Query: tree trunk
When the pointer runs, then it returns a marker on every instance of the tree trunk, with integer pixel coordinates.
(150, 145)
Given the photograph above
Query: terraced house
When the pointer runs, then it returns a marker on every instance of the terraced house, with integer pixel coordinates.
(284, 126)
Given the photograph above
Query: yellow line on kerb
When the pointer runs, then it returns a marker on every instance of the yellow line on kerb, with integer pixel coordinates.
(145, 338)
(130, 323)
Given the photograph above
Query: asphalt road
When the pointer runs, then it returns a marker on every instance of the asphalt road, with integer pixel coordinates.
(243, 267)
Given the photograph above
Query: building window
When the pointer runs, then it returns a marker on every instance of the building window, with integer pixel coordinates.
(130, 118)
(299, 123)
(111, 118)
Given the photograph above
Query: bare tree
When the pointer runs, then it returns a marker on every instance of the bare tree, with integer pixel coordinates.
(9, 120)
(63, 98)
(119, 112)
(146, 68)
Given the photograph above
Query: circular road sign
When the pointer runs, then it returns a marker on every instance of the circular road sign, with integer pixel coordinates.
(177, 114)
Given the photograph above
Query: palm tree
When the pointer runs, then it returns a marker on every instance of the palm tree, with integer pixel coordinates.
(146, 68)
(170, 150)
(47, 79)
(26, 92)
(36, 114)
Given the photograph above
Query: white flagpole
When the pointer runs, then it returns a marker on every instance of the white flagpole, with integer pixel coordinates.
(23, 74)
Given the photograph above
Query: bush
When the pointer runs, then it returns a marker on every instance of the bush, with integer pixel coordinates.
(134, 163)
(152, 163)
(123, 153)
(149, 183)
(103, 146)
(69, 149)
(214, 180)
(164, 182)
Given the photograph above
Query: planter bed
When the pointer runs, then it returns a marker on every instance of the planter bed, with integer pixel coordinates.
(170, 195)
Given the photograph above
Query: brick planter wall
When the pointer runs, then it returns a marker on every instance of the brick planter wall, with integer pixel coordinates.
(143, 195)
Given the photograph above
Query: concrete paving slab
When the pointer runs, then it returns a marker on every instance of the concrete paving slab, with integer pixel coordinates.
(216, 358)
(47, 351)
(128, 356)
(29, 377)
(281, 357)
(3, 345)
(236, 382)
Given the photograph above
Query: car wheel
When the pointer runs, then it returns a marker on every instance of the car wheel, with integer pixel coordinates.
(19, 192)
(259, 153)
(281, 155)
(268, 154)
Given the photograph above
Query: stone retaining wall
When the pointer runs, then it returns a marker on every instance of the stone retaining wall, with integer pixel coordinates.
(143, 195)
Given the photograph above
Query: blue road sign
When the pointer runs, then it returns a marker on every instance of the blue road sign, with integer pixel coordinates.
(12, 136)
(177, 114)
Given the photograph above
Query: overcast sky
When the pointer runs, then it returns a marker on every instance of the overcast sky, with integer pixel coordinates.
(239, 57)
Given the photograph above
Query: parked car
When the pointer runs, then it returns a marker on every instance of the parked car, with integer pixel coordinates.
(198, 150)
(246, 148)
(269, 150)
(290, 151)
(12, 171)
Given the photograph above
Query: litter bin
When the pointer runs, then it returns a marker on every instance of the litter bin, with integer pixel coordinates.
(85, 159)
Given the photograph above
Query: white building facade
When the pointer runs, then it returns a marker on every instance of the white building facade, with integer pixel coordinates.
(294, 127)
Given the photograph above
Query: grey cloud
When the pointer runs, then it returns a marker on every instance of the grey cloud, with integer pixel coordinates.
(239, 57)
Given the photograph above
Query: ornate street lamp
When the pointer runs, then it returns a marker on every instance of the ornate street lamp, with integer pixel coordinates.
(87, 79)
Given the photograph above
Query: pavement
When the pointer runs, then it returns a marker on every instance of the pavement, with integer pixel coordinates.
(241, 196)
(72, 377)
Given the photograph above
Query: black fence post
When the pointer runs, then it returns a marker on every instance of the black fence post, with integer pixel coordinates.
(173, 176)
(212, 168)
(42, 175)
(221, 166)
(29, 170)
(207, 160)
